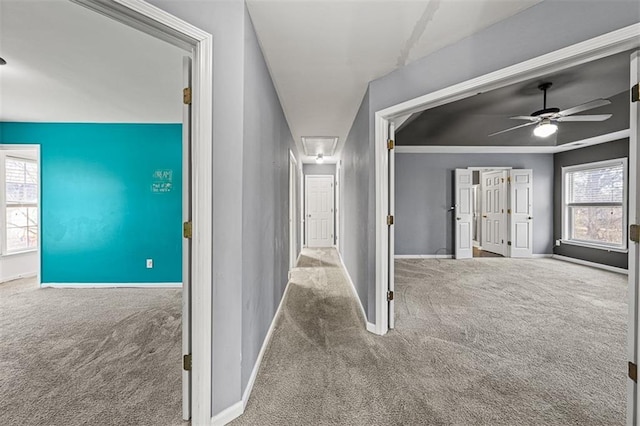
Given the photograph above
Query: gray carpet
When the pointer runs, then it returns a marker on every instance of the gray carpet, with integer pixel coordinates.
(89, 356)
(478, 342)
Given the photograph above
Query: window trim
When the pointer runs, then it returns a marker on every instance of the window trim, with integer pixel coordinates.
(566, 231)
(6, 205)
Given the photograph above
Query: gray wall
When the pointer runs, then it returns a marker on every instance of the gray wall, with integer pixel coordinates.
(319, 169)
(425, 193)
(247, 123)
(606, 151)
(543, 28)
(265, 202)
(357, 227)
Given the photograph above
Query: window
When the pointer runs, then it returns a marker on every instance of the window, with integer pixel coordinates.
(595, 204)
(21, 204)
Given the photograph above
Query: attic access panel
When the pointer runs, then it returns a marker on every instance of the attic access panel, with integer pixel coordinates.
(314, 145)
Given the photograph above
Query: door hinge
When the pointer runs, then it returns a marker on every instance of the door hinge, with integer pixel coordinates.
(634, 233)
(390, 144)
(509, 179)
(633, 371)
(508, 211)
(635, 93)
(390, 220)
(186, 95)
(186, 362)
(389, 296)
(187, 229)
(508, 243)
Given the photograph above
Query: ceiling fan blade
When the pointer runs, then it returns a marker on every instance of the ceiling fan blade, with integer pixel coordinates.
(525, 117)
(600, 117)
(512, 128)
(583, 107)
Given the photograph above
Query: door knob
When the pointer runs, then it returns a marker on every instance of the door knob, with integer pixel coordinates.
(529, 218)
(458, 218)
(484, 215)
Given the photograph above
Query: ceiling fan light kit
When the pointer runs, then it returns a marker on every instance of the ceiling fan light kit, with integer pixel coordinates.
(547, 119)
(545, 128)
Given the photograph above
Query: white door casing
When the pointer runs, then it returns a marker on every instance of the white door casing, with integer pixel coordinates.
(392, 235)
(494, 215)
(319, 211)
(633, 346)
(293, 217)
(521, 206)
(463, 210)
(186, 242)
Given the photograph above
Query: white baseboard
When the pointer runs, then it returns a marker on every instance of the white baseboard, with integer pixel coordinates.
(112, 285)
(18, 276)
(542, 256)
(355, 292)
(592, 264)
(263, 349)
(371, 328)
(423, 256)
(227, 415)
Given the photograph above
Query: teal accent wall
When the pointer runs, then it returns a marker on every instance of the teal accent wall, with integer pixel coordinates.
(111, 198)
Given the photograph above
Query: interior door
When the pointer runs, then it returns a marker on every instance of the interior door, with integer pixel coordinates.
(319, 193)
(633, 396)
(392, 235)
(521, 202)
(494, 218)
(463, 210)
(186, 243)
(293, 219)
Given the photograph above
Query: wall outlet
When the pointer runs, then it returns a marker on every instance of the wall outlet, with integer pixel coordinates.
(149, 263)
(557, 243)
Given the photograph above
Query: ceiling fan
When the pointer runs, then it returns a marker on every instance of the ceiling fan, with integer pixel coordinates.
(547, 119)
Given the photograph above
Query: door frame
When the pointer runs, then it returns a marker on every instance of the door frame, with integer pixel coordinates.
(306, 207)
(605, 45)
(293, 217)
(161, 24)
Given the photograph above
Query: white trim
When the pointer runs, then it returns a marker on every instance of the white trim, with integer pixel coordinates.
(592, 264)
(353, 288)
(111, 285)
(156, 22)
(439, 149)
(371, 328)
(254, 373)
(423, 256)
(542, 256)
(565, 205)
(19, 276)
(228, 414)
(579, 53)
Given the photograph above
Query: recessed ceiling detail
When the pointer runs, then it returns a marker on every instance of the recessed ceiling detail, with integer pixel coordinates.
(314, 145)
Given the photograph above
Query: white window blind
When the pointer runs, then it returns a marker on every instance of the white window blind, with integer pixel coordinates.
(595, 203)
(21, 204)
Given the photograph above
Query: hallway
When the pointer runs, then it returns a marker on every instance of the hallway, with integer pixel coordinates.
(466, 351)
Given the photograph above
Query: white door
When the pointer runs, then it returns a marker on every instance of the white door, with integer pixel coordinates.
(494, 216)
(463, 211)
(319, 193)
(633, 396)
(521, 202)
(293, 217)
(392, 212)
(186, 243)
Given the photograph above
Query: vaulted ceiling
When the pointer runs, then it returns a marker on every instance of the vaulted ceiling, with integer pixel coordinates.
(469, 122)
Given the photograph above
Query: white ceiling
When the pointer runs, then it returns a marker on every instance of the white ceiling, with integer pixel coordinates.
(68, 64)
(322, 53)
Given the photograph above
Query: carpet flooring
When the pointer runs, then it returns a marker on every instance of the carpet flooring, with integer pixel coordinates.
(89, 356)
(478, 342)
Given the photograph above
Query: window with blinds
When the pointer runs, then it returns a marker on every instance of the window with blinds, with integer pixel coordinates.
(21, 204)
(595, 204)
